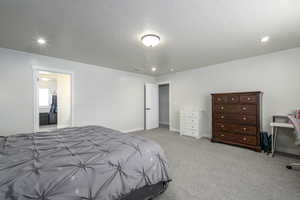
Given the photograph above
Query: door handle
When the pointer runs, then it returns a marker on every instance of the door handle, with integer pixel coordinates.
(148, 109)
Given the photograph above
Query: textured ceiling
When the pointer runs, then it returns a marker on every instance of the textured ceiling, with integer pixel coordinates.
(107, 33)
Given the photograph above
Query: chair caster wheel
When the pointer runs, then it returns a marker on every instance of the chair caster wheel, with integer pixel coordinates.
(289, 167)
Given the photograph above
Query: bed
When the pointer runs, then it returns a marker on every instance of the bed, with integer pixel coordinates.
(81, 163)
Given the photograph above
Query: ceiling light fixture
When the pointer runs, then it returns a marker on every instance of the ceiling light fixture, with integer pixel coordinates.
(153, 69)
(172, 70)
(150, 40)
(265, 39)
(41, 41)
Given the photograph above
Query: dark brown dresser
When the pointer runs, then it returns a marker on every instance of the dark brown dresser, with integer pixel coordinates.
(236, 119)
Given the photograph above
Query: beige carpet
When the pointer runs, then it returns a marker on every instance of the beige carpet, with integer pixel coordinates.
(212, 171)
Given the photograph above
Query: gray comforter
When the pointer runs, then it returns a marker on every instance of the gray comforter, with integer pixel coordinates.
(85, 163)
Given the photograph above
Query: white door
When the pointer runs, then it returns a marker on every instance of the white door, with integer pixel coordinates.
(151, 106)
(64, 100)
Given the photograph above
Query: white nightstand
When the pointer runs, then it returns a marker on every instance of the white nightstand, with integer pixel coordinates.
(190, 123)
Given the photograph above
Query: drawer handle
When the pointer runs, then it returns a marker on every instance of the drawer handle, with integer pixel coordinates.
(232, 99)
(249, 98)
(222, 126)
(222, 117)
(245, 129)
(244, 139)
(222, 108)
(244, 118)
(244, 108)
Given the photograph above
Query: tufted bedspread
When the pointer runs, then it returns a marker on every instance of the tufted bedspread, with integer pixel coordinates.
(80, 163)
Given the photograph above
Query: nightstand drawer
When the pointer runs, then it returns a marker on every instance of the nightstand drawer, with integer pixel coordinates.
(189, 122)
(189, 115)
(190, 132)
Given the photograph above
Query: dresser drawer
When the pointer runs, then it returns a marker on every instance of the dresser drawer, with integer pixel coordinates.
(246, 119)
(222, 117)
(248, 99)
(234, 128)
(219, 99)
(250, 140)
(227, 108)
(249, 130)
(235, 118)
(223, 127)
(226, 136)
(237, 109)
(240, 139)
(233, 99)
(248, 109)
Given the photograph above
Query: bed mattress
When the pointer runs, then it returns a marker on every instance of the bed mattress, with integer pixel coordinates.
(84, 163)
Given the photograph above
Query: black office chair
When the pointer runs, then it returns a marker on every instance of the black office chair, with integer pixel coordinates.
(52, 117)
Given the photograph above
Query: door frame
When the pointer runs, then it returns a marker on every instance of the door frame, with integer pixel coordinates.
(170, 100)
(35, 70)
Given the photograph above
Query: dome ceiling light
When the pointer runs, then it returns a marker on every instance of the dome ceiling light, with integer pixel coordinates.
(150, 40)
(153, 69)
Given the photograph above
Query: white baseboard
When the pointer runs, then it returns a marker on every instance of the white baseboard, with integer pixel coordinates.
(132, 130)
(288, 150)
(174, 129)
(164, 123)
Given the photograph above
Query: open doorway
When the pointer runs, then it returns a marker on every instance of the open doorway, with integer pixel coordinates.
(53, 100)
(157, 105)
(164, 105)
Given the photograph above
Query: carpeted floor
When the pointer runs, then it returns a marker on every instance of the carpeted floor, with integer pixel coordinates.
(212, 171)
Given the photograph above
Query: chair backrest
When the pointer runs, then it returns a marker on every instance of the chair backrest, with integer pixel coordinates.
(296, 124)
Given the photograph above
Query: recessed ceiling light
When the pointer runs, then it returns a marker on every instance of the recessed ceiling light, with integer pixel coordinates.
(150, 40)
(265, 39)
(45, 79)
(153, 69)
(172, 70)
(41, 41)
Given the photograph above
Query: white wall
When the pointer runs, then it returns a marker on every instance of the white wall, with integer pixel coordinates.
(277, 75)
(102, 96)
(164, 104)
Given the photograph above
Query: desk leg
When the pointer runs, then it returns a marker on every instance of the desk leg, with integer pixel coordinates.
(274, 139)
(272, 154)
